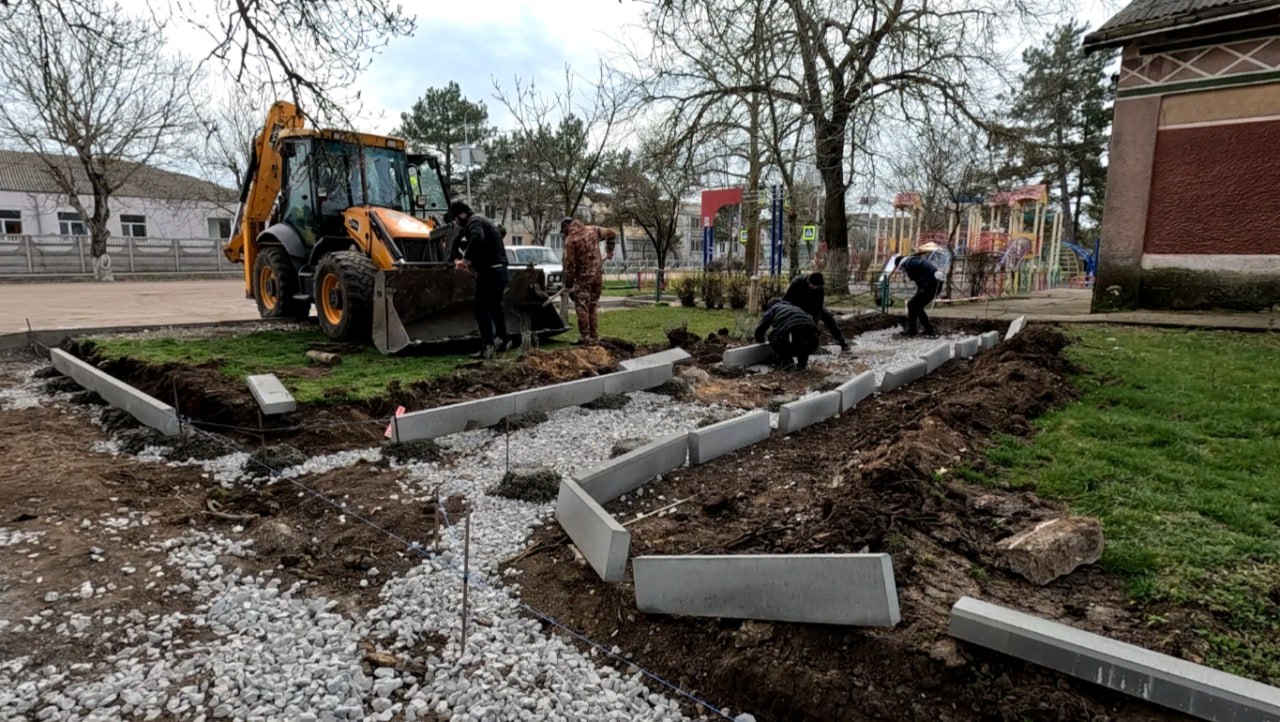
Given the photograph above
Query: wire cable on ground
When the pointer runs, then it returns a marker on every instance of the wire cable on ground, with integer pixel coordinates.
(275, 474)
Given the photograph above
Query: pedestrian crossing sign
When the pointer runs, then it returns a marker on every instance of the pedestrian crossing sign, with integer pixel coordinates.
(810, 233)
(742, 236)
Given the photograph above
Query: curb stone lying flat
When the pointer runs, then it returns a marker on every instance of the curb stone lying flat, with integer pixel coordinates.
(1016, 327)
(674, 357)
(967, 347)
(271, 395)
(747, 355)
(856, 389)
(1157, 678)
(989, 340)
(807, 412)
(851, 589)
(716, 440)
(602, 540)
(937, 356)
(632, 470)
(147, 410)
(899, 377)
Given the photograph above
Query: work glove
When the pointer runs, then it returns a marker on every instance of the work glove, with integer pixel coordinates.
(940, 276)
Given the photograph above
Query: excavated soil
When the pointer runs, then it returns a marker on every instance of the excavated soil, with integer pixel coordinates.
(878, 480)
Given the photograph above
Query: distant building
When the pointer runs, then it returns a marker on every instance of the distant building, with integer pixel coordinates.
(154, 203)
(1194, 177)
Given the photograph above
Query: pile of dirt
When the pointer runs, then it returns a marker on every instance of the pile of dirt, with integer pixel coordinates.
(569, 364)
(277, 457)
(201, 446)
(408, 451)
(528, 483)
(61, 385)
(114, 420)
(878, 480)
(705, 351)
(522, 420)
(608, 402)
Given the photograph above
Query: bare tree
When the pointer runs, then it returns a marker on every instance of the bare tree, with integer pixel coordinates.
(581, 131)
(226, 143)
(518, 180)
(92, 92)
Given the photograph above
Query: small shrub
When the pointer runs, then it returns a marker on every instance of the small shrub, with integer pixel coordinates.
(737, 289)
(713, 290)
(686, 289)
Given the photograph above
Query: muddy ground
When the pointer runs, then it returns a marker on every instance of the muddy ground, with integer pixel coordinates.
(878, 480)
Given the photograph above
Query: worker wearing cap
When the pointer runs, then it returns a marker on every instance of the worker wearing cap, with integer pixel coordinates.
(794, 336)
(584, 272)
(928, 280)
(479, 248)
(809, 294)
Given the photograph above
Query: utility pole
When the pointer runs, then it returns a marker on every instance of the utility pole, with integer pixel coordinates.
(466, 144)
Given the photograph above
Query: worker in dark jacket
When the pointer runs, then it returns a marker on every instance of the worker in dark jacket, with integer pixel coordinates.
(809, 294)
(928, 282)
(794, 336)
(479, 248)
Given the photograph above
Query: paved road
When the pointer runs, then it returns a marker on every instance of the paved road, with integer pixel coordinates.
(89, 304)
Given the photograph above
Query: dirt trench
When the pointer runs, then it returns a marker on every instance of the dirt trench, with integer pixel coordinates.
(878, 480)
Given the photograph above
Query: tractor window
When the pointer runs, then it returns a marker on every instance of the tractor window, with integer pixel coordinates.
(337, 178)
(428, 192)
(298, 210)
(387, 174)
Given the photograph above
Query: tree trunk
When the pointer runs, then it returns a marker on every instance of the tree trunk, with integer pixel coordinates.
(99, 234)
(793, 239)
(750, 206)
(1068, 228)
(835, 224)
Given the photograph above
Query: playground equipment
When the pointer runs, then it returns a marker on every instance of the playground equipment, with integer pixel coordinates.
(903, 228)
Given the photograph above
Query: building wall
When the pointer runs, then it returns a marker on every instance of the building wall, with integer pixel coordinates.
(164, 219)
(1194, 179)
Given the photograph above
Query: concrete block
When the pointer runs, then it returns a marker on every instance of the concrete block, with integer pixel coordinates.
(856, 389)
(271, 395)
(989, 340)
(848, 589)
(807, 412)
(716, 440)
(937, 356)
(967, 347)
(560, 396)
(645, 377)
(673, 357)
(602, 540)
(899, 377)
(454, 418)
(747, 355)
(1157, 678)
(148, 410)
(1016, 327)
(623, 474)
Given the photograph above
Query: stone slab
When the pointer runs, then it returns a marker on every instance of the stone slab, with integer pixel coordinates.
(1016, 327)
(747, 355)
(148, 410)
(856, 389)
(899, 377)
(624, 474)
(673, 357)
(807, 412)
(937, 356)
(645, 377)
(454, 418)
(1157, 678)
(602, 540)
(989, 340)
(272, 397)
(560, 396)
(967, 347)
(716, 440)
(846, 589)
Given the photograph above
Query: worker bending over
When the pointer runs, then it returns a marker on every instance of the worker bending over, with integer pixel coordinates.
(479, 248)
(928, 280)
(809, 294)
(794, 336)
(584, 272)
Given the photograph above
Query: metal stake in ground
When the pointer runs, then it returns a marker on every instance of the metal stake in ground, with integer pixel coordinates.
(177, 408)
(466, 574)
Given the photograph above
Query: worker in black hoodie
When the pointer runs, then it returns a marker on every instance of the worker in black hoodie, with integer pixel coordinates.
(809, 293)
(794, 336)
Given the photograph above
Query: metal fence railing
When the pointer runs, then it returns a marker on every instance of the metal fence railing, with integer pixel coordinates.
(35, 256)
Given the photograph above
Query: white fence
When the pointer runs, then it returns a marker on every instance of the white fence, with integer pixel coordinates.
(36, 256)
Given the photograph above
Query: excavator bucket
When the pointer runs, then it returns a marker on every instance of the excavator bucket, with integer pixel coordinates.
(416, 307)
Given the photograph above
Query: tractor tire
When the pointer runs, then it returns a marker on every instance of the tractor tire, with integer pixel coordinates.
(344, 296)
(275, 283)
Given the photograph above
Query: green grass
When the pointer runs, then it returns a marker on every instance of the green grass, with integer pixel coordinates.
(365, 375)
(1175, 445)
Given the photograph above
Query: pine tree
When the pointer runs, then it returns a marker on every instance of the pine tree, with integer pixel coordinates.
(443, 120)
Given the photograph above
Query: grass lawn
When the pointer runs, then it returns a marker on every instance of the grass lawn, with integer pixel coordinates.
(366, 374)
(1175, 445)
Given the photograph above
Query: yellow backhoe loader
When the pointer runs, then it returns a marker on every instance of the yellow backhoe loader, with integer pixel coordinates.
(343, 220)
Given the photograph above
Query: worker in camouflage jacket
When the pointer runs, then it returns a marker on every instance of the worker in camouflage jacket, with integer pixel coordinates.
(584, 271)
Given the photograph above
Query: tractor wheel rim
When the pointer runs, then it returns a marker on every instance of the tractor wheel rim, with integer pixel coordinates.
(331, 300)
(267, 287)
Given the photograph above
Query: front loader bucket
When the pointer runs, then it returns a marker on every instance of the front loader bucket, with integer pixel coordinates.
(414, 307)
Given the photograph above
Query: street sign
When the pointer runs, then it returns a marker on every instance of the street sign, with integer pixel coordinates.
(742, 236)
(868, 201)
(810, 233)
